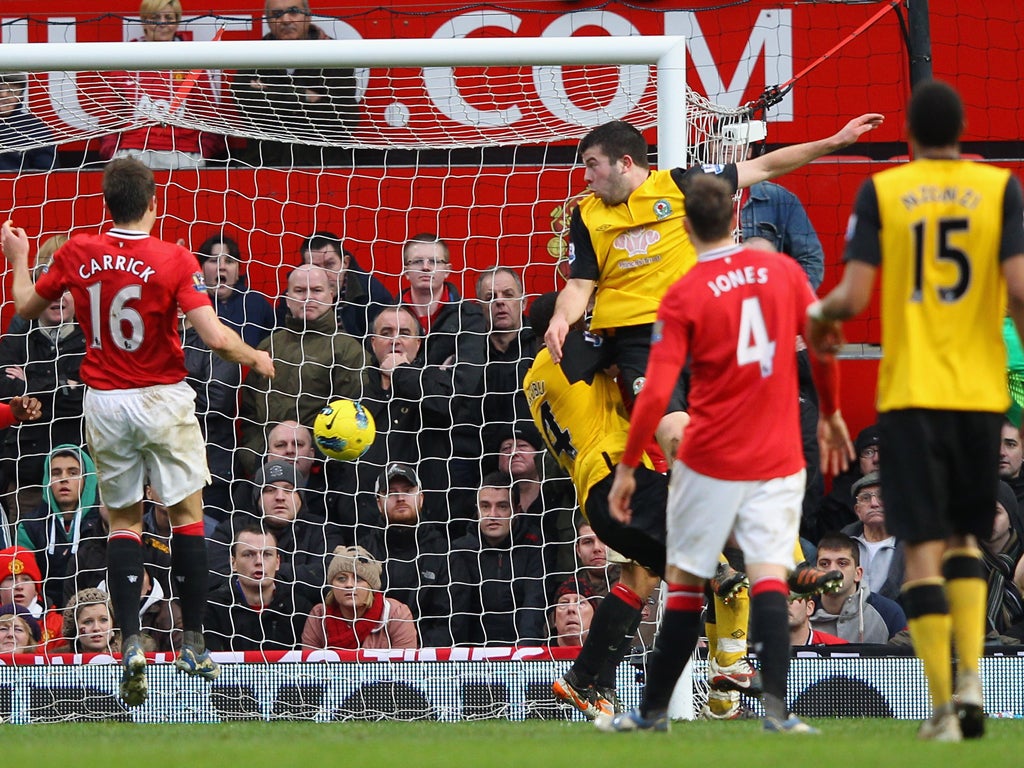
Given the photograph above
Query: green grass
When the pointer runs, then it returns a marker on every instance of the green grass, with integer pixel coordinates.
(864, 743)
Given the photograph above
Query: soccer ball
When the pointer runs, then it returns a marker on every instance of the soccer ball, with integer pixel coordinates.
(343, 430)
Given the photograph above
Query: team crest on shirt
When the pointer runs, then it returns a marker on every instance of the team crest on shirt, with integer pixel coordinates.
(198, 282)
(662, 209)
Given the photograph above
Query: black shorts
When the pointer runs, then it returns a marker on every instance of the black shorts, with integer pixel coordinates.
(939, 472)
(631, 348)
(643, 540)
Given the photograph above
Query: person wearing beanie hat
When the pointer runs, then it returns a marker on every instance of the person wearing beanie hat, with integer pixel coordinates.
(20, 583)
(20, 631)
(89, 623)
(1003, 553)
(836, 510)
(273, 473)
(355, 613)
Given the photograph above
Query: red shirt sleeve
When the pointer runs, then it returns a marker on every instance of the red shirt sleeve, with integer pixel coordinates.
(6, 416)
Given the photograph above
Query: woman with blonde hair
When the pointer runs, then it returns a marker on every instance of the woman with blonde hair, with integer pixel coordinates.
(89, 624)
(355, 613)
(20, 631)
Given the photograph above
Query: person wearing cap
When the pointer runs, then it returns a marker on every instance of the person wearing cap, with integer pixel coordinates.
(836, 510)
(356, 614)
(19, 630)
(20, 128)
(303, 540)
(255, 610)
(497, 582)
(68, 514)
(414, 554)
(320, 480)
(1003, 553)
(881, 556)
(20, 584)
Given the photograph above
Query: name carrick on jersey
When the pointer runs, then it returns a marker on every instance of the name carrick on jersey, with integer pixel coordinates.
(584, 425)
(637, 249)
(127, 288)
(939, 230)
(736, 316)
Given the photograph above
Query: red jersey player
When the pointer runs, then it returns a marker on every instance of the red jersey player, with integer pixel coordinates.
(139, 412)
(739, 470)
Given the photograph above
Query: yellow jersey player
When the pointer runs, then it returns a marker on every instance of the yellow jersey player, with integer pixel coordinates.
(947, 236)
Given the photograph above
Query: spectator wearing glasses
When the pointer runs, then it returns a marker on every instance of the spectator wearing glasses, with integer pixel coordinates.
(455, 338)
(318, 104)
(837, 508)
(881, 555)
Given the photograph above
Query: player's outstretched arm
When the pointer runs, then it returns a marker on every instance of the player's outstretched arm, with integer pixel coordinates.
(228, 344)
(790, 158)
(572, 303)
(14, 242)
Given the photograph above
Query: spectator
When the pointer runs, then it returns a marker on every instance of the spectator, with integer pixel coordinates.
(836, 510)
(304, 104)
(801, 608)
(360, 295)
(414, 554)
(314, 364)
(570, 619)
(594, 576)
(455, 338)
(27, 142)
(20, 584)
(255, 611)
(1003, 553)
(157, 96)
(246, 311)
(303, 540)
(410, 404)
(497, 583)
(19, 630)
(89, 624)
(43, 362)
(44, 256)
(291, 442)
(846, 613)
(68, 514)
(546, 505)
(511, 347)
(355, 613)
(881, 556)
(1011, 457)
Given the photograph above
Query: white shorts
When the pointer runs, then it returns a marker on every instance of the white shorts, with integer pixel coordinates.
(148, 433)
(764, 515)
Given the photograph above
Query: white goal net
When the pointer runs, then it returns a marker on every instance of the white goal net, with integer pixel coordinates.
(356, 146)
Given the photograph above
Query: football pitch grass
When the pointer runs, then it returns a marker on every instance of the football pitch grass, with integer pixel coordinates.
(866, 743)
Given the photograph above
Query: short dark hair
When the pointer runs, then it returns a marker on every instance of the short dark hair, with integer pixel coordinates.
(542, 309)
(206, 247)
(128, 186)
(504, 481)
(935, 114)
(709, 207)
(322, 239)
(842, 543)
(256, 528)
(617, 139)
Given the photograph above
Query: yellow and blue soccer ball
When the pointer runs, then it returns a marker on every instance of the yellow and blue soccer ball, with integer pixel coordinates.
(344, 430)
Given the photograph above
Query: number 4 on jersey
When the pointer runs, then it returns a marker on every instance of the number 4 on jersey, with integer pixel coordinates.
(753, 344)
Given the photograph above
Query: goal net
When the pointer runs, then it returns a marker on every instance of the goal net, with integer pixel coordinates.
(374, 143)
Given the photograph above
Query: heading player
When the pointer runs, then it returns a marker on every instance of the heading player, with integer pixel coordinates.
(628, 243)
(734, 316)
(947, 236)
(139, 413)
